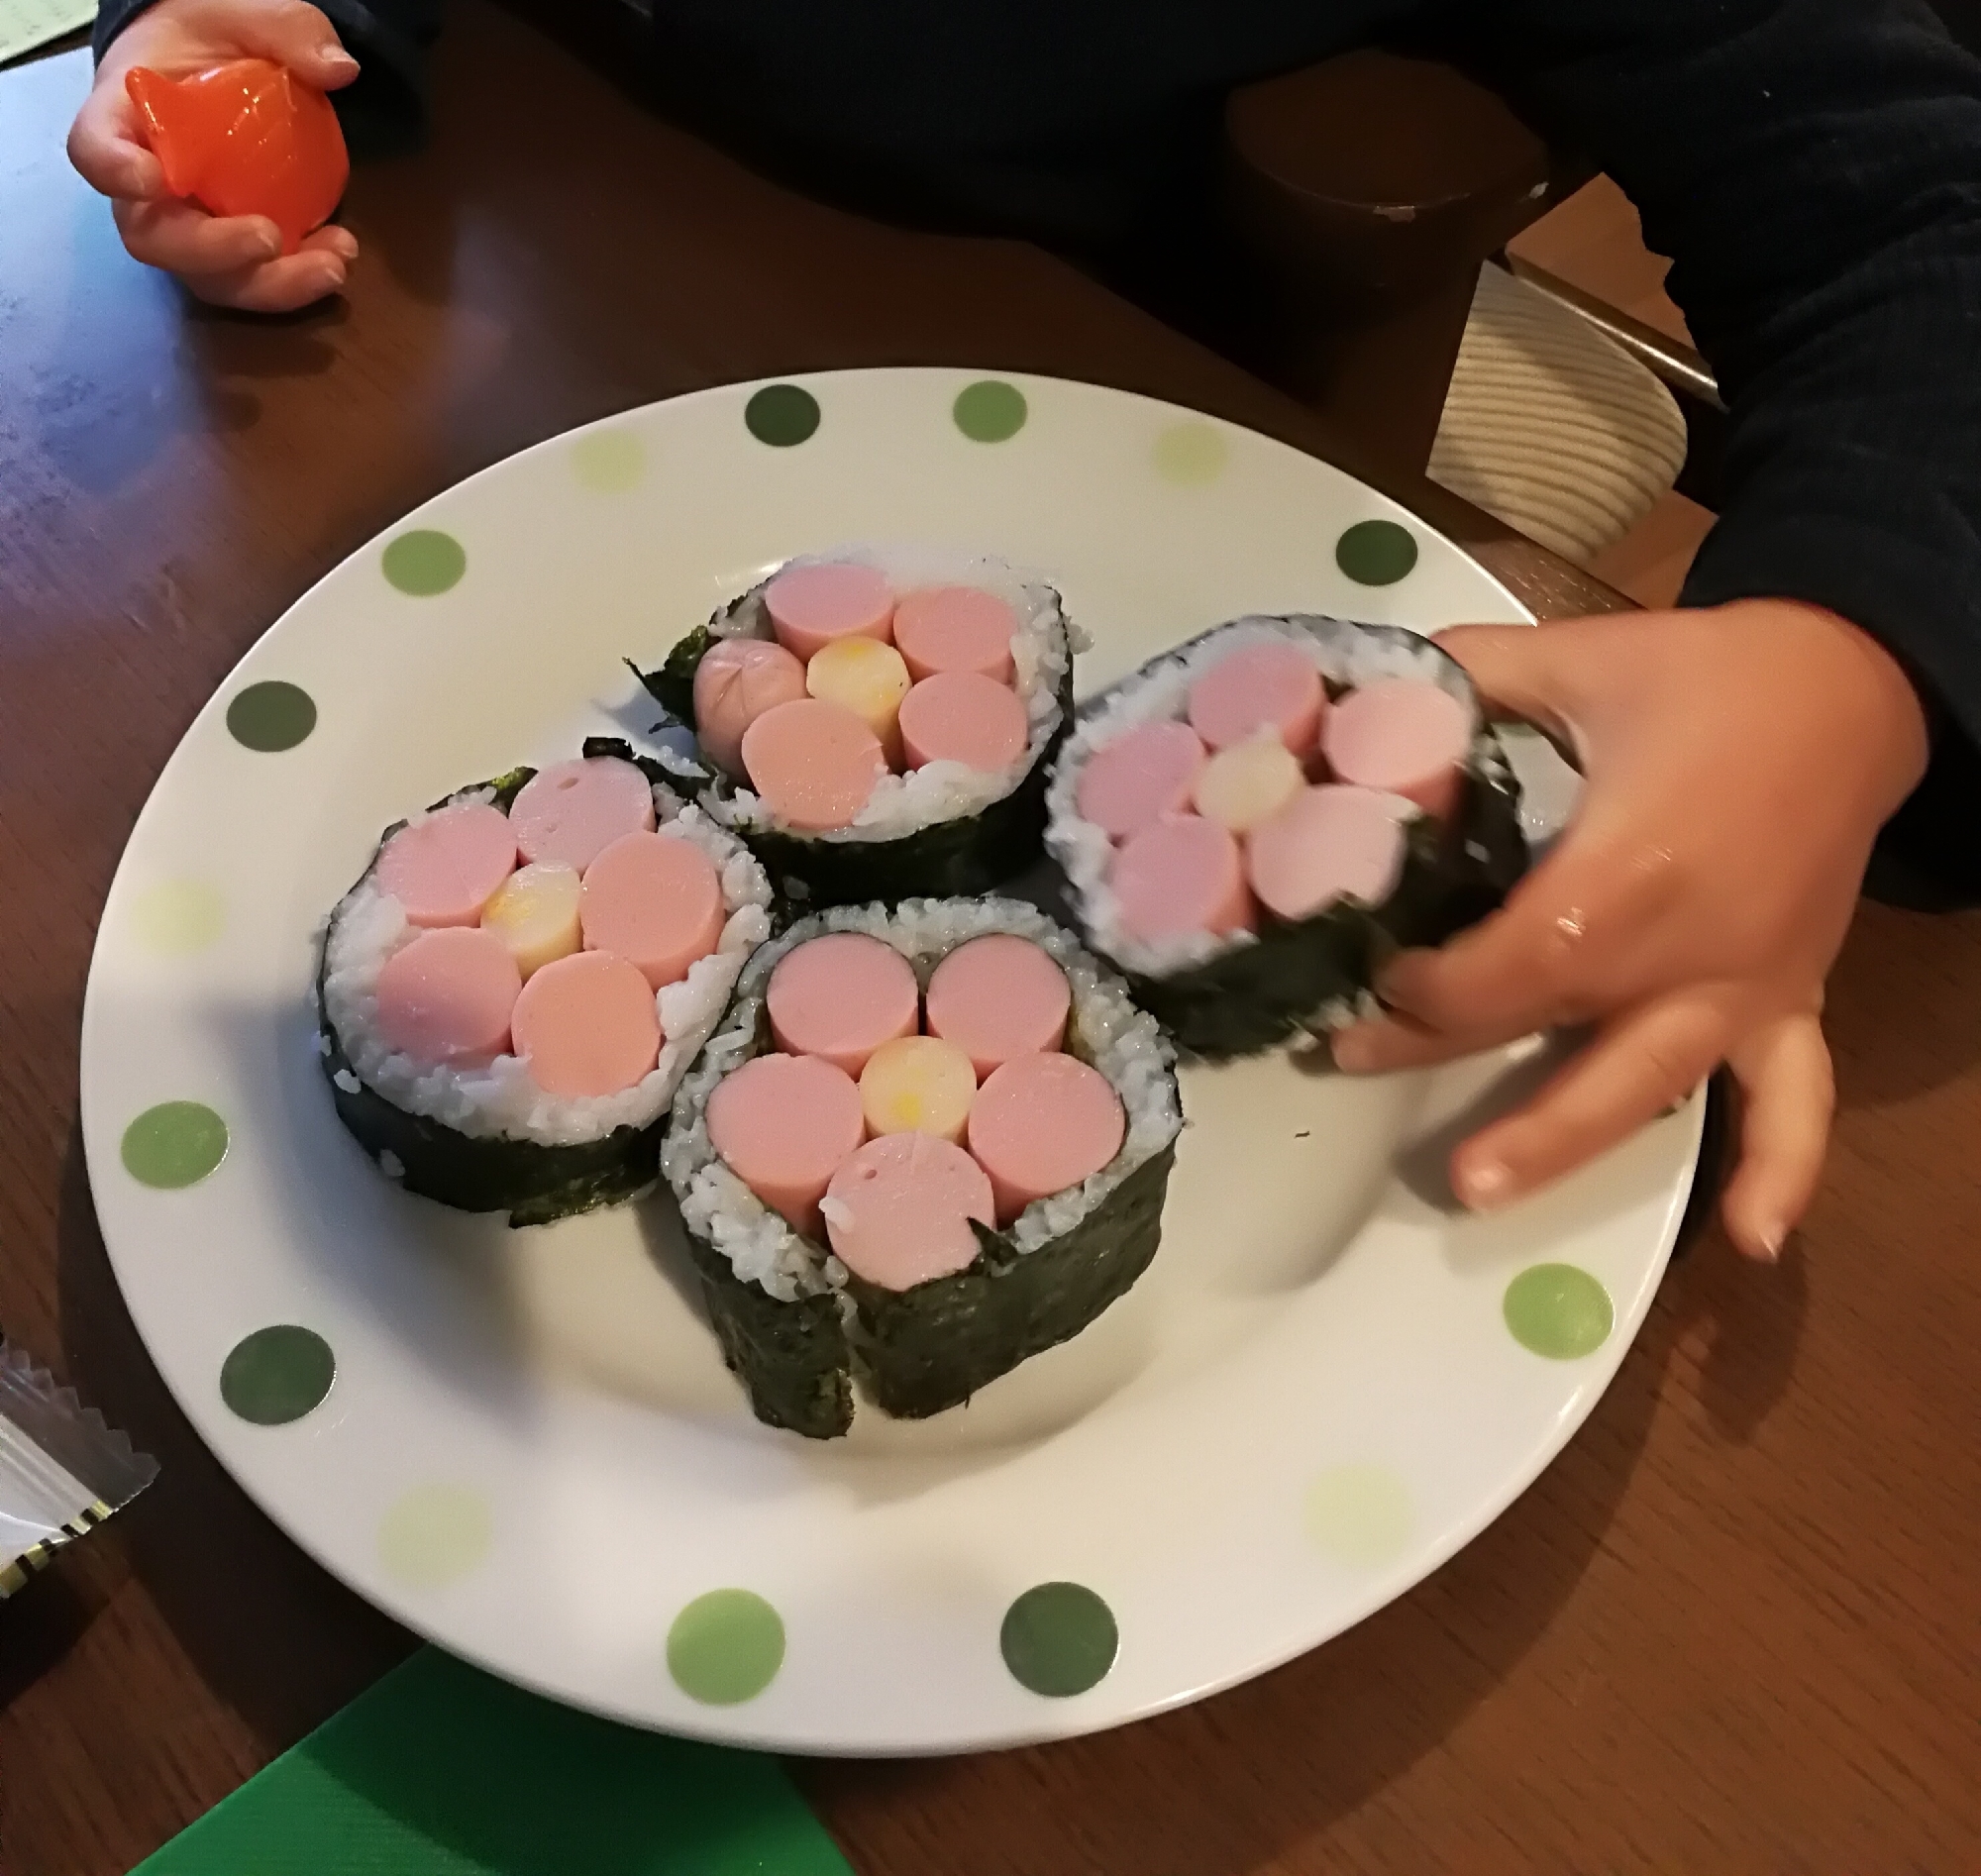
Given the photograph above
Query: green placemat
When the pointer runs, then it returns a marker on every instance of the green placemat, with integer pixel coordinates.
(441, 1770)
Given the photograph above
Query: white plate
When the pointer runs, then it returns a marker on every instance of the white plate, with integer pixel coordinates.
(530, 1453)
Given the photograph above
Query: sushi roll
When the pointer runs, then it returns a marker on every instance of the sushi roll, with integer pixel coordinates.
(1252, 824)
(924, 1145)
(510, 995)
(877, 724)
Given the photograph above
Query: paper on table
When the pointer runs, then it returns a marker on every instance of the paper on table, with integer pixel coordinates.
(440, 1770)
(26, 24)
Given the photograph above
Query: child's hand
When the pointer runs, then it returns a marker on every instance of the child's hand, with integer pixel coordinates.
(232, 260)
(1739, 763)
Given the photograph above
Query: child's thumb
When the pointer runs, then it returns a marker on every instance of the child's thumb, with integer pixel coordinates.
(1523, 670)
(299, 37)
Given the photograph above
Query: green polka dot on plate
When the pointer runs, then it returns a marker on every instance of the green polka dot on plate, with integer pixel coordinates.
(1059, 1639)
(271, 717)
(277, 1375)
(1558, 1310)
(990, 411)
(1191, 454)
(424, 562)
(1360, 1516)
(1375, 553)
(175, 1144)
(176, 917)
(433, 1535)
(608, 462)
(781, 415)
(725, 1647)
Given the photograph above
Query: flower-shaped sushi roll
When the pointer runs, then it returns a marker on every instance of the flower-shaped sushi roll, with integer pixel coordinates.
(1250, 824)
(877, 724)
(924, 1144)
(510, 995)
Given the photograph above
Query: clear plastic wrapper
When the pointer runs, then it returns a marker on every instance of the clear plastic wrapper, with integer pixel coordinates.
(62, 1469)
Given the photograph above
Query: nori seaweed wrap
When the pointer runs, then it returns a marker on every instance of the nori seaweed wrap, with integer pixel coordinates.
(957, 833)
(800, 1330)
(488, 1138)
(1244, 991)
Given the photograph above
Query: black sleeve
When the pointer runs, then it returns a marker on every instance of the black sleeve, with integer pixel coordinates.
(383, 109)
(1814, 170)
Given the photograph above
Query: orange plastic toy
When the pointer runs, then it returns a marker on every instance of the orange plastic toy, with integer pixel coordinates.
(246, 138)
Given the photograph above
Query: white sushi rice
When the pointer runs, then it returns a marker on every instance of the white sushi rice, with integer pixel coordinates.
(1343, 652)
(500, 1100)
(1042, 651)
(1124, 1042)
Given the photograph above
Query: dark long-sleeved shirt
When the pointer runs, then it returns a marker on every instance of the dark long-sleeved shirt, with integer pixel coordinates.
(1813, 166)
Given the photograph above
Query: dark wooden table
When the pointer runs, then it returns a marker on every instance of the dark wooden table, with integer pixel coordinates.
(1734, 1628)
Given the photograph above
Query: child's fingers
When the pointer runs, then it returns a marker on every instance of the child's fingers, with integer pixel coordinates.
(1391, 1043)
(1639, 1064)
(183, 239)
(104, 147)
(276, 286)
(333, 240)
(1563, 948)
(1785, 1074)
(298, 36)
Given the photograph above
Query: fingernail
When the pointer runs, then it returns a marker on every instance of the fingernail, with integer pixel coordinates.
(1485, 1185)
(1769, 1240)
(336, 62)
(1351, 1050)
(269, 246)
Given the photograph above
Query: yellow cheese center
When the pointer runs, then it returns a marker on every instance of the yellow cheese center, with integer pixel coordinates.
(918, 1084)
(1240, 786)
(535, 913)
(866, 678)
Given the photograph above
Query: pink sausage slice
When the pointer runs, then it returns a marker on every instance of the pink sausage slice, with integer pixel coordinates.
(736, 681)
(998, 998)
(1043, 1124)
(814, 763)
(1258, 686)
(1180, 875)
(446, 867)
(898, 1211)
(811, 606)
(655, 901)
(954, 628)
(840, 997)
(568, 814)
(1403, 736)
(1328, 844)
(449, 996)
(784, 1124)
(1142, 775)
(962, 716)
(586, 1025)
